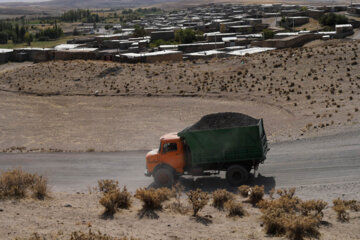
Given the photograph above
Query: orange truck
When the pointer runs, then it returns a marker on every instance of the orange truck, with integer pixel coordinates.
(231, 142)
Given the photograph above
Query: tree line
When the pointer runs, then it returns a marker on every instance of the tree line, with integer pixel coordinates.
(21, 34)
(80, 15)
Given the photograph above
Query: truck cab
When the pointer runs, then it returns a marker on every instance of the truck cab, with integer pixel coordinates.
(166, 161)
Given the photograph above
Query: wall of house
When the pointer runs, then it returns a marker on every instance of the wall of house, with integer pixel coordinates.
(74, 55)
(4, 57)
(168, 35)
(189, 48)
(296, 41)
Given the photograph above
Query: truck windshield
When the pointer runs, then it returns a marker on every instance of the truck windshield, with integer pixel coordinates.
(159, 148)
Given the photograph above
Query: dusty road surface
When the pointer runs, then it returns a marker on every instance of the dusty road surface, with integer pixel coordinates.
(323, 167)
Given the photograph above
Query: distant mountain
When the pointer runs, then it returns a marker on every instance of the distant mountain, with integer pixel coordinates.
(87, 3)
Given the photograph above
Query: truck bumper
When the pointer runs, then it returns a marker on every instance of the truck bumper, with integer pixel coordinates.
(147, 174)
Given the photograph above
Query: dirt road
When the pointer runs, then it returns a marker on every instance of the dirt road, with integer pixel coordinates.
(324, 167)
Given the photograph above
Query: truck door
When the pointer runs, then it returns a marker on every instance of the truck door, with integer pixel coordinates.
(173, 155)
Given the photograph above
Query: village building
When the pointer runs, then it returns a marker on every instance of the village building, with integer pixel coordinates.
(151, 57)
(5, 55)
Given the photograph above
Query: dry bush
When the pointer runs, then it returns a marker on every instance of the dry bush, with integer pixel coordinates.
(107, 185)
(289, 193)
(94, 236)
(220, 197)
(152, 200)
(340, 209)
(16, 183)
(113, 197)
(256, 194)
(273, 222)
(290, 215)
(198, 199)
(352, 205)
(40, 187)
(176, 206)
(244, 190)
(313, 206)
(298, 227)
(235, 209)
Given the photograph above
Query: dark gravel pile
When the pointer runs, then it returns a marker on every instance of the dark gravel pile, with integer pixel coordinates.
(222, 120)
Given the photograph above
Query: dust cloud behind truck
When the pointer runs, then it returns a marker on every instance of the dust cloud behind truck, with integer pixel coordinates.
(231, 142)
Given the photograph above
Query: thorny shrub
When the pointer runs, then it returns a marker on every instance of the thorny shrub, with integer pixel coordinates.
(244, 190)
(234, 209)
(198, 199)
(220, 197)
(341, 207)
(153, 198)
(256, 194)
(176, 206)
(298, 227)
(16, 183)
(115, 199)
(90, 235)
(107, 185)
(313, 208)
(290, 215)
(40, 187)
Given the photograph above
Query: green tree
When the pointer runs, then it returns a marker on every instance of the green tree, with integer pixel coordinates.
(139, 31)
(185, 35)
(267, 33)
(3, 38)
(28, 38)
(331, 19)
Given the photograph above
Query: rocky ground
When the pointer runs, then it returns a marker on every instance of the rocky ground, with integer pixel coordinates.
(62, 214)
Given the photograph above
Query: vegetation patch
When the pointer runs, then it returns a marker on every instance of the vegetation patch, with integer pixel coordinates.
(17, 184)
(113, 197)
(152, 200)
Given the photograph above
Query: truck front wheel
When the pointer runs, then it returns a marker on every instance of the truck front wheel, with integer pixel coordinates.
(164, 177)
(237, 175)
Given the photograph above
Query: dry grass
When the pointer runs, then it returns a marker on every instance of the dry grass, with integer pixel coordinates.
(198, 199)
(90, 235)
(114, 200)
(220, 197)
(244, 190)
(341, 208)
(152, 200)
(176, 206)
(40, 187)
(107, 185)
(289, 215)
(256, 194)
(16, 184)
(113, 197)
(313, 207)
(235, 209)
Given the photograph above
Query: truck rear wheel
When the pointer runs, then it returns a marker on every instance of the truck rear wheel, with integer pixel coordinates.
(164, 177)
(237, 175)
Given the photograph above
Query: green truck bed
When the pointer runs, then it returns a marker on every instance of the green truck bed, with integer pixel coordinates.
(220, 145)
